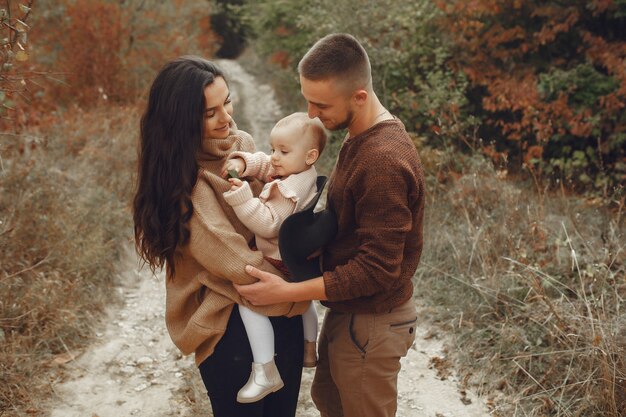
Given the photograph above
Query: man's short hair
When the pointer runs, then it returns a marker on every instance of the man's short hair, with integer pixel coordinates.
(312, 128)
(338, 56)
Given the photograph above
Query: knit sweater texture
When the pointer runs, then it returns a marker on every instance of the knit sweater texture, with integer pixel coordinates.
(377, 192)
(200, 296)
(279, 198)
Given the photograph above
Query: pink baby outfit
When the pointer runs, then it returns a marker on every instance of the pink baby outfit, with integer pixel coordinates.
(278, 200)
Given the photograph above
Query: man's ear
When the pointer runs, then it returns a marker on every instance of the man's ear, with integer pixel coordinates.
(311, 156)
(360, 97)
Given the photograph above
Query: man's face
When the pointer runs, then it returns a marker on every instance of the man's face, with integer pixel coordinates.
(326, 101)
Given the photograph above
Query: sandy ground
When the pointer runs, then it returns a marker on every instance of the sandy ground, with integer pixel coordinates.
(135, 370)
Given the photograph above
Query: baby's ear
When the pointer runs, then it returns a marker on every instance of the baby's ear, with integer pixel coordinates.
(311, 156)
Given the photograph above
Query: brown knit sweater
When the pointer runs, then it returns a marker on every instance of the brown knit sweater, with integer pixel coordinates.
(377, 193)
(200, 297)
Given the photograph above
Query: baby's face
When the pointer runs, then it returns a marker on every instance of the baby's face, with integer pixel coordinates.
(289, 151)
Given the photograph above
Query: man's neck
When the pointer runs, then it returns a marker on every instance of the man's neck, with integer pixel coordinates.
(368, 116)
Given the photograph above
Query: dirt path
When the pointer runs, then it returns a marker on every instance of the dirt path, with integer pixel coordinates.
(135, 370)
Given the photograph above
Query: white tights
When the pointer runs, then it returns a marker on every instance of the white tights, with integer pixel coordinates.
(261, 334)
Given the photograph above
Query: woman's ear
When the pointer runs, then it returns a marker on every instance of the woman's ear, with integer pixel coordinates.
(311, 156)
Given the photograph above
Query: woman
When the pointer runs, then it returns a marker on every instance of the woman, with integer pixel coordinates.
(183, 223)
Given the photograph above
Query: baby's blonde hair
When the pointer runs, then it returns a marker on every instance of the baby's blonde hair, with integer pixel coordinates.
(313, 128)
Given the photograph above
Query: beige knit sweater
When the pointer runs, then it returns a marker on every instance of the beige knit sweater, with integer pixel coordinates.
(200, 297)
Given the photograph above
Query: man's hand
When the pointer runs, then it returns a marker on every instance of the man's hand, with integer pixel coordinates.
(235, 183)
(270, 289)
(235, 164)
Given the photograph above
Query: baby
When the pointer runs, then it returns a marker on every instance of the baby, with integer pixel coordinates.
(297, 141)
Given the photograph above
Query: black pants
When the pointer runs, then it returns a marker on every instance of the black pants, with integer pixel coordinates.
(228, 369)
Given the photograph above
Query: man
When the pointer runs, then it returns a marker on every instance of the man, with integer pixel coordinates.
(377, 193)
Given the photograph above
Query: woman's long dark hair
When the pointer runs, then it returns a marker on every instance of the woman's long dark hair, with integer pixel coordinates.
(172, 128)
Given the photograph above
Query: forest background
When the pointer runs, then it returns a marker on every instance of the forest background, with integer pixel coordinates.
(516, 107)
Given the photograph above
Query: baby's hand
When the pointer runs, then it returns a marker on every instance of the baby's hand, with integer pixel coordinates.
(234, 164)
(235, 184)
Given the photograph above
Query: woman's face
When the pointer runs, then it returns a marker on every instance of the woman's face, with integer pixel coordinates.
(218, 111)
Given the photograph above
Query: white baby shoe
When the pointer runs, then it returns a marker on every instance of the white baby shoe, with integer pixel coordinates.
(264, 379)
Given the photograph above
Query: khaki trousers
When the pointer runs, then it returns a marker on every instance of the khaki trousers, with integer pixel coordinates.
(359, 362)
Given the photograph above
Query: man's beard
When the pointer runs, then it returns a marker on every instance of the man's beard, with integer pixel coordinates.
(344, 124)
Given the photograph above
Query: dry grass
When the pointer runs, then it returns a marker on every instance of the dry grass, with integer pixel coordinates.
(63, 212)
(531, 283)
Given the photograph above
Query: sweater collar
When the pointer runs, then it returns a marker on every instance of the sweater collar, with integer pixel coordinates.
(215, 149)
(373, 128)
(298, 187)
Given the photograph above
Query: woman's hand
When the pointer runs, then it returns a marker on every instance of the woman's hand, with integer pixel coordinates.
(234, 164)
(235, 184)
(270, 289)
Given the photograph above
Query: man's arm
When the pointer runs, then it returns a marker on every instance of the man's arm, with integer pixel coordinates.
(272, 289)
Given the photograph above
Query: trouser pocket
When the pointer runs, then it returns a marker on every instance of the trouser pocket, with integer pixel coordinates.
(360, 329)
(404, 331)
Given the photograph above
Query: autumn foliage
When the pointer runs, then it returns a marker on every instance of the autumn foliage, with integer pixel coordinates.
(533, 84)
(91, 50)
(548, 80)
(73, 74)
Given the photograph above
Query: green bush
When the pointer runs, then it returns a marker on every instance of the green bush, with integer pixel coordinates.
(408, 53)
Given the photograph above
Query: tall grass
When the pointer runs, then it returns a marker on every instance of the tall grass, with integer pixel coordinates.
(64, 214)
(531, 283)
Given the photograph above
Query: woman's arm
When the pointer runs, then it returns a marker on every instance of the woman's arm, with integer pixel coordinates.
(215, 243)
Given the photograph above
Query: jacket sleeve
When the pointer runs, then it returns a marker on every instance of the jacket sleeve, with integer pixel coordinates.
(264, 218)
(215, 243)
(383, 219)
(219, 248)
(258, 165)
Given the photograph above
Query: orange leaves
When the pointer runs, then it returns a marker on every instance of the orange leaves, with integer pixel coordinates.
(610, 55)
(494, 155)
(579, 125)
(498, 35)
(508, 51)
(513, 92)
(600, 6)
(613, 102)
(281, 58)
(552, 28)
(477, 8)
(283, 30)
(95, 69)
(533, 153)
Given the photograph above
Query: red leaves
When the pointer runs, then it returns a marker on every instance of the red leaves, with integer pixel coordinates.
(543, 72)
(93, 70)
(552, 28)
(500, 47)
(281, 58)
